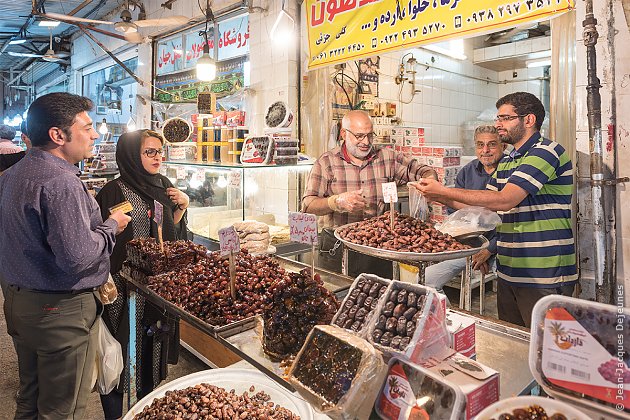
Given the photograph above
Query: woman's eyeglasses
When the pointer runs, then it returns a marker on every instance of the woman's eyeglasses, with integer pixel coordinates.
(150, 152)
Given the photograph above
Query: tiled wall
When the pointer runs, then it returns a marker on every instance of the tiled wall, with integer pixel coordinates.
(452, 92)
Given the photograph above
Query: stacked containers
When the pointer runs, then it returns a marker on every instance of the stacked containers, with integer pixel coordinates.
(286, 146)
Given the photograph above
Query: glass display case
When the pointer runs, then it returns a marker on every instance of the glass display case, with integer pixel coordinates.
(221, 194)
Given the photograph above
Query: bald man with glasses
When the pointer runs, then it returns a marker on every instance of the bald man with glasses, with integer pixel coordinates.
(344, 186)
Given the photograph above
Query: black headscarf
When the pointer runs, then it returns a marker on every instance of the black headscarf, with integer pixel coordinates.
(149, 187)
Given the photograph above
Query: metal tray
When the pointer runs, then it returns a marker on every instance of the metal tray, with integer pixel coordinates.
(478, 243)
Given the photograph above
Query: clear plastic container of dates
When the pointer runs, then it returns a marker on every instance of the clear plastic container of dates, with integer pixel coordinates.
(413, 392)
(359, 305)
(580, 353)
(337, 372)
(410, 322)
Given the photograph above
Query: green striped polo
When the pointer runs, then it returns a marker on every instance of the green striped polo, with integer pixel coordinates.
(535, 246)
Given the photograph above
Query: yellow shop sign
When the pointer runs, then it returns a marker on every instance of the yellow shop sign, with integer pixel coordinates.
(343, 30)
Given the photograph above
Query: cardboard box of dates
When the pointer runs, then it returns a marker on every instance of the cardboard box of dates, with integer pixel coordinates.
(359, 305)
(337, 372)
(413, 392)
(409, 322)
(578, 354)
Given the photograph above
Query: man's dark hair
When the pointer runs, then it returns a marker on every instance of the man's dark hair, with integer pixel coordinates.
(7, 132)
(525, 103)
(57, 109)
(23, 128)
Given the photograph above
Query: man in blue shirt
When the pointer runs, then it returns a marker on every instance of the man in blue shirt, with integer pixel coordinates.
(474, 176)
(54, 253)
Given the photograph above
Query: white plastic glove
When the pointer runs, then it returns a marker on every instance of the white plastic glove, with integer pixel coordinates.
(351, 201)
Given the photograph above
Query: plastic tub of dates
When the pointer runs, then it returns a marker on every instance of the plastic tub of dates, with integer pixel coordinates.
(529, 407)
(200, 393)
(358, 306)
(409, 321)
(337, 372)
(578, 355)
(412, 392)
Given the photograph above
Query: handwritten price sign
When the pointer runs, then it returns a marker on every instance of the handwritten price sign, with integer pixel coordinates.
(390, 192)
(228, 240)
(159, 212)
(303, 228)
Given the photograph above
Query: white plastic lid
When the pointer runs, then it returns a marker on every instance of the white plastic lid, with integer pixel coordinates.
(397, 394)
(572, 323)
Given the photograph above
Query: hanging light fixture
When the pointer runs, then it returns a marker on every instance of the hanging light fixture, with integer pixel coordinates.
(103, 127)
(206, 67)
(282, 29)
(131, 124)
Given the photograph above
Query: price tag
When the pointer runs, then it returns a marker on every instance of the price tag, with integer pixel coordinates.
(159, 212)
(390, 192)
(235, 179)
(182, 173)
(303, 228)
(200, 176)
(228, 240)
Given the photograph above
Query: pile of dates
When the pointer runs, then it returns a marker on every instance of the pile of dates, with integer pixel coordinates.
(204, 401)
(203, 289)
(409, 235)
(328, 366)
(360, 303)
(533, 412)
(398, 319)
(146, 254)
(296, 304)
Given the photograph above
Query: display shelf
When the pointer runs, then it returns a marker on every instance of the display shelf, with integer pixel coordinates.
(222, 194)
(299, 165)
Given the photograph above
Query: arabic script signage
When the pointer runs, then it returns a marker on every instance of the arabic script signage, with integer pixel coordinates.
(181, 51)
(343, 30)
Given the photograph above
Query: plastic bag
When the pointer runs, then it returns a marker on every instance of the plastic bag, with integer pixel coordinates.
(109, 360)
(108, 292)
(418, 205)
(470, 220)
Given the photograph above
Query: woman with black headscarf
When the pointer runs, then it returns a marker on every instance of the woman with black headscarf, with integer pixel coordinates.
(139, 157)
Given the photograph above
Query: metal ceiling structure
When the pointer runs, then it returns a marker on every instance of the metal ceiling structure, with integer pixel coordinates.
(17, 22)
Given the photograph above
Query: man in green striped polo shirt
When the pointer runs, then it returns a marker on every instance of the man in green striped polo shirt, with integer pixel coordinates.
(531, 190)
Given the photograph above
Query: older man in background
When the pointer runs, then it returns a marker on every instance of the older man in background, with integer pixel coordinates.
(7, 147)
(474, 176)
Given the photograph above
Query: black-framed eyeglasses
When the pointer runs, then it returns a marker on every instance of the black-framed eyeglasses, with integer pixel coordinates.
(151, 152)
(362, 136)
(504, 117)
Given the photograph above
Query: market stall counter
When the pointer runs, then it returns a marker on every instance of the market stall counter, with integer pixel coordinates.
(499, 346)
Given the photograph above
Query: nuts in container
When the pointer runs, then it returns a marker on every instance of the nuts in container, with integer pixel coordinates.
(408, 235)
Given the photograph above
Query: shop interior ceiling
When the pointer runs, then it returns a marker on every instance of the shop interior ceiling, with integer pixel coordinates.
(20, 19)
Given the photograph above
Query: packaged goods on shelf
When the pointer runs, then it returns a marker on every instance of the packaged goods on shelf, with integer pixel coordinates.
(577, 356)
(413, 392)
(461, 330)
(438, 209)
(296, 304)
(359, 305)
(443, 162)
(442, 151)
(257, 149)
(235, 118)
(478, 383)
(337, 372)
(413, 141)
(397, 139)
